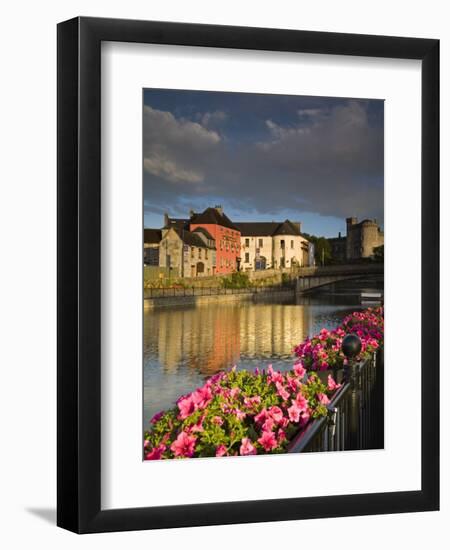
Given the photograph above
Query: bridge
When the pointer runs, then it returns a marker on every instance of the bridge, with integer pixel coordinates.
(310, 278)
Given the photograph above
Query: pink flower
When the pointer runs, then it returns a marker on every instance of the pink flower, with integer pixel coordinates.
(184, 445)
(284, 422)
(332, 385)
(239, 414)
(299, 370)
(234, 392)
(276, 413)
(294, 412)
(281, 435)
(268, 424)
(217, 420)
(221, 450)
(273, 376)
(157, 417)
(202, 397)
(186, 407)
(268, 441)
(292, 383)
(261, 417)
(146, 443)
(247, 448)
(156, 453)
(323, 399)
(252, 401)
(301, 401)
(282, 392)
(198, 426)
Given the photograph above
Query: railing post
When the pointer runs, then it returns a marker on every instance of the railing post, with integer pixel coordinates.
(351, 346)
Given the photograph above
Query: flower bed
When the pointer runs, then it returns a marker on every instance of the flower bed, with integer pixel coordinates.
(323, 351)
(244, 413)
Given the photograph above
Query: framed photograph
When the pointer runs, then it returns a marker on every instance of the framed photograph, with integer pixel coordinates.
(248, 275)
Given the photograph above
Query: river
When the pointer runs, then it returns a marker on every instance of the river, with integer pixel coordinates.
(184, 345)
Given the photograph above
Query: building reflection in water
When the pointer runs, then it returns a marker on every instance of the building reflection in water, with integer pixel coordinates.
(211, 338)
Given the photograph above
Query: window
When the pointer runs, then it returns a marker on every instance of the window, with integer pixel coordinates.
(206, 255)
(247, 243)
(282, 243)
(192, 252)
(260, 243)
(247, 258)
(292, 244)
(199, 253)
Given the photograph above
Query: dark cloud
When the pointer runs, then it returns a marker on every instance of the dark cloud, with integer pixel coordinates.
(327, 161)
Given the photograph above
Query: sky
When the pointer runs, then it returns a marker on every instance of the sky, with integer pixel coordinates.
(263, 157)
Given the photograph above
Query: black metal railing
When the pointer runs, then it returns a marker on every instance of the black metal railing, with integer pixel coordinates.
(356, 413)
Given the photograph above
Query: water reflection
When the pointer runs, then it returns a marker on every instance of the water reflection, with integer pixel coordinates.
(182, 346)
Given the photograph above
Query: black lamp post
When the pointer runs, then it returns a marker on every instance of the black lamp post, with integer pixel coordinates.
(351, 347)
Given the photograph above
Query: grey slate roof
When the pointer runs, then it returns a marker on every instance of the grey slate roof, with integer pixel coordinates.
(267, 229)
(191, 238)
(152, 236)
(213, 216)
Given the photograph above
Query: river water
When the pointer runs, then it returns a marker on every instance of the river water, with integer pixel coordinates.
(183, 346)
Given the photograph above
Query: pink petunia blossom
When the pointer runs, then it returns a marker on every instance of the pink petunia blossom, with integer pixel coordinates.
(275, 377)
(261, 417)
(299, 370)
(221, 450)
(247, 448)
(202, 397)
(282, 392)
(331, 383)
(268, 441)
(156, 417)
(186, 407)
(156, 453)
(184, 445)
(198, 426)
(252, 401)
(234, 392)
(217, 420)
(301, 401)
(240, 415)
(268, 425)
(323, 399)
(275, 413)
(294, 412)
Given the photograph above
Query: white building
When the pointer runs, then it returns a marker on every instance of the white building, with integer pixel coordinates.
(272, 245)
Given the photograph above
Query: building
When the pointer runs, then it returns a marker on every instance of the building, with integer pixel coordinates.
(225, 234)
(152, 238)
(338, 247)
(187, 253)
(276, 245)
(220, 228)
(362, 238)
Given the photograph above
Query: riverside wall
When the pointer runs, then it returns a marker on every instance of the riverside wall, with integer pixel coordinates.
(250, 296)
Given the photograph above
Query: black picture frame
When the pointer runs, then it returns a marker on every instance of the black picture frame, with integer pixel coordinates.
(79, 280)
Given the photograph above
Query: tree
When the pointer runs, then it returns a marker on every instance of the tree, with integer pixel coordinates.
(378, 253)
(322, 249)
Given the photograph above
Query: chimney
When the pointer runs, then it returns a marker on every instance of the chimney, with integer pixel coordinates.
(191, 213)
(298, 225)
(166, 219)
(351, 221)
(339, 235)
(219, 209)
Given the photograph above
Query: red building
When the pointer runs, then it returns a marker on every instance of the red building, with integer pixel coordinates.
(226, 235)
